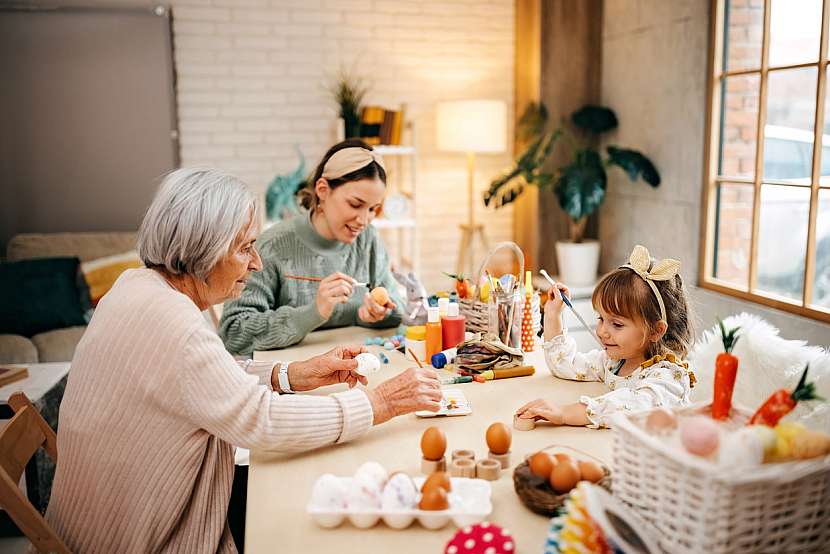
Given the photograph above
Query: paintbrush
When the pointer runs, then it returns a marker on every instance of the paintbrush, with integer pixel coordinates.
(355, 282)
(567, 302)
(414, 357)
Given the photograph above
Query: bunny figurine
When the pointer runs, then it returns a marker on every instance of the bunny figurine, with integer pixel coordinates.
(415, 312)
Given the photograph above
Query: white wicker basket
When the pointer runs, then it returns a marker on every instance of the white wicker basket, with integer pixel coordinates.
(698, 506)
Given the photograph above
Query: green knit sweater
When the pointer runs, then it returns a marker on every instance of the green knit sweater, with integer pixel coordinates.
(274, 312)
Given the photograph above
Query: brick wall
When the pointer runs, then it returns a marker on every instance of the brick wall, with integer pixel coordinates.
(253, 77)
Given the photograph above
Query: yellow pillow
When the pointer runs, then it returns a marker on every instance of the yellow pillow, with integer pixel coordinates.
(102, 273)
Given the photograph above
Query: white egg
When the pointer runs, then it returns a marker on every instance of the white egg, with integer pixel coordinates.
(744, 447)
(363, 495)
(373, 472)
(399, 493)
(367, 363)
(329, 492)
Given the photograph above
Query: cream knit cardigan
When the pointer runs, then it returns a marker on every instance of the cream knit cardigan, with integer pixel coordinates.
(151, 408)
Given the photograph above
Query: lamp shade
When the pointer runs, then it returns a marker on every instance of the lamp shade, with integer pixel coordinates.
(478, 126)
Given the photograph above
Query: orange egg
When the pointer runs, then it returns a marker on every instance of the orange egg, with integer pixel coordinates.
(562, 457)
(564, 477)
(498, 438)
(437, 479)
(380, 295)
(434, 499)
(590, 471)
(433, 443)
(541, 464)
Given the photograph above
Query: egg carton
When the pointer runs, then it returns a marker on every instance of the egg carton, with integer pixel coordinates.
(469, 503)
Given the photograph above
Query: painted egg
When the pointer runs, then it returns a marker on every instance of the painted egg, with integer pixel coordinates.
(699, 435)
(564, 477)
(589, 471)
(744, 447)
(437, 479)
(660, 421)
(434, 499)
(541, 464)
(367, 363)
(433, 443)
(380, 295)
(399, 493)
(363, 495)
(498, 438)
(329, 492)
(374, 472)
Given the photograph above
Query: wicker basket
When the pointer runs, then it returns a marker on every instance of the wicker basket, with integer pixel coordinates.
(698, 506)
(473, 309)
(536, 492)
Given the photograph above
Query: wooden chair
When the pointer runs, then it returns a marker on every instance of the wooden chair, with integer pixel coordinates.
(19, 440)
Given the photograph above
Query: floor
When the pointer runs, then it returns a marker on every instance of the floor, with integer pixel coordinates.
(13, 545)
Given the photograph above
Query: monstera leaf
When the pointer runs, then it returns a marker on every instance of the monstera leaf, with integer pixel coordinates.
(595, 119)
(527, 171)
(533, 121)
(581, 185)
(634, 164)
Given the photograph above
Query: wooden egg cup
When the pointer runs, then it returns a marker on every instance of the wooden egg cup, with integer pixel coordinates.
(502, 459)
(428, 467)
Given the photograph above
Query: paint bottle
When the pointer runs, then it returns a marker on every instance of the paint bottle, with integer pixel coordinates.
(416, 341)
(452, 327)
(433, 333)
(443, 358)
(443, 306)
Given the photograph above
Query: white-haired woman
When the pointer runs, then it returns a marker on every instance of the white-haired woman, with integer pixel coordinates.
(154, 400)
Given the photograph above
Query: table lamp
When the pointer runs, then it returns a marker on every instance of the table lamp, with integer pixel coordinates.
(471, 127)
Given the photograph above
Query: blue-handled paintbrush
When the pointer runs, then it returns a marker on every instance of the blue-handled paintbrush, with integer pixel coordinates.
(567, 302)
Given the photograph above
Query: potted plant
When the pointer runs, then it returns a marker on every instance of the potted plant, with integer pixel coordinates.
(579, 186)
(348, 91)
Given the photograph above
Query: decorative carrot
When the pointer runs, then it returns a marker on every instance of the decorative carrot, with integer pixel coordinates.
(462, 285)
(783, 401)
(726, 369)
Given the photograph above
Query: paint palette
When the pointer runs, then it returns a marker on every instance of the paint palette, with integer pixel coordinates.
(454, 403)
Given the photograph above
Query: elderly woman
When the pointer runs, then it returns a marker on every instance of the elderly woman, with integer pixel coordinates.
(154, 400)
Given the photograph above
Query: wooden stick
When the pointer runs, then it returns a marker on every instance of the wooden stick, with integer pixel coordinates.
(414, 357)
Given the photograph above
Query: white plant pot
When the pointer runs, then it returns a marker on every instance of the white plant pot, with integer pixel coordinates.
(578, 262)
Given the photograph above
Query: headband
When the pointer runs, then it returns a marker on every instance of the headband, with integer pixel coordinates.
(640, 263)
(350, 159)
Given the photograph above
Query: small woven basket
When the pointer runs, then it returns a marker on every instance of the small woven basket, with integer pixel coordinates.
(474, 310)
(536, 492)
(698, 506)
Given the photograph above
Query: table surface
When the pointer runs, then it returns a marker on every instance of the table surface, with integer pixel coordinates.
(41, 379)
(279, 486)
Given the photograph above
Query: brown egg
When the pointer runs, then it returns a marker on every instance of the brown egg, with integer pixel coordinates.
(564, 477)
(437, 479)
(498, 438)
(541, 464)
(433, 443)
(434, 499)
(590, 471)
(562, 457)
(380, 295)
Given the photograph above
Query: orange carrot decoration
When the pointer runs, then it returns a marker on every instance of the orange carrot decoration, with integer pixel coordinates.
(726, 370)
(783, 401)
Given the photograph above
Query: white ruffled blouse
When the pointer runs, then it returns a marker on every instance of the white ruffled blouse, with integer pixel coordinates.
(660, 381)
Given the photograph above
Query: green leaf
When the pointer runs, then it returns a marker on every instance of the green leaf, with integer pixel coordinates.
(595, 119)
(527, 171)
(581, 185)
(533, 121)
(634, 164)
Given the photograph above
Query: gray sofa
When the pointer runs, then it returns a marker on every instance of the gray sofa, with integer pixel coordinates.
(57, 345)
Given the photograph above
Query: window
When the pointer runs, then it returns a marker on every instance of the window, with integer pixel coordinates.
(766, 233)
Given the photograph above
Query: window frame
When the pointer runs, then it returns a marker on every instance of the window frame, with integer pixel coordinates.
(711, 179)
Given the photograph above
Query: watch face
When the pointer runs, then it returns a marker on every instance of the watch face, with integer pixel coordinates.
(395, 206)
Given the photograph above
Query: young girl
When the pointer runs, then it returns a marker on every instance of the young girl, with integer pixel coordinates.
(645, 329)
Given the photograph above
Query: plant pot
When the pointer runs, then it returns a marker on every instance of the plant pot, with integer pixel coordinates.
(578, 262)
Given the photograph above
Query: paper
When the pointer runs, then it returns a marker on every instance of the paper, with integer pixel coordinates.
(454, 403)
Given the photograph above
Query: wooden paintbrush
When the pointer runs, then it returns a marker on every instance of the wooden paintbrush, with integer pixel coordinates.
(355, 282)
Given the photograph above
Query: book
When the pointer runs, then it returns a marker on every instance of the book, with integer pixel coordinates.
(371, 120)
(12, 374)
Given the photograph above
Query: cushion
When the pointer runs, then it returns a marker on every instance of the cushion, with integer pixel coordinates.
(15, 349)
(102, 273)
(58, 345)
(42, 294)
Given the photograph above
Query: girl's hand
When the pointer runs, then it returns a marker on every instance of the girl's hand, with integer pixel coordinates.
(540, 409)
(371, 311)
(553, 310)
(333, 290)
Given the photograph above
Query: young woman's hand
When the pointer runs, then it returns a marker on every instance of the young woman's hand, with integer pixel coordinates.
(371, 311)
(333, 290)
(541, 409)
(553, 310)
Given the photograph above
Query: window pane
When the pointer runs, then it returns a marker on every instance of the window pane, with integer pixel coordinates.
(739, 126)
(788, 135)
(782, 239)
(824, 178)
(743, 32)
(821, 280)
(795, 32)
(734, 233)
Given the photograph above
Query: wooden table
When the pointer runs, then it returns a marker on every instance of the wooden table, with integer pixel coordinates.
(279, 486)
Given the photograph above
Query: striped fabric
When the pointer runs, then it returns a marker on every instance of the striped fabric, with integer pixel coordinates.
(151, 408)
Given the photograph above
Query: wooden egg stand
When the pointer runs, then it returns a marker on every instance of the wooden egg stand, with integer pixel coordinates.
(463, 463)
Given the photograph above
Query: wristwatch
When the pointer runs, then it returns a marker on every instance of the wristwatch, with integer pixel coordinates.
(282, 377)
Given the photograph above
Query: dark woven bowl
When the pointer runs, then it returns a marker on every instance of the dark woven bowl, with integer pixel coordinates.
(536, 492)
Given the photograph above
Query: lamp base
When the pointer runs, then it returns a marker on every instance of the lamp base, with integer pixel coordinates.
(465, 249)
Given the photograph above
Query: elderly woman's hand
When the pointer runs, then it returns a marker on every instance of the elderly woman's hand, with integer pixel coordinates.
(414, 389)
(335, 366)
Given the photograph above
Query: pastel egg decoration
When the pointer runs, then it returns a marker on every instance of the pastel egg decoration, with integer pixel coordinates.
(744, 447)
(660, 421)
(367, 363)
(363, 495)
(699, 436)
(400, 493)
(373, 472)
(329, 493)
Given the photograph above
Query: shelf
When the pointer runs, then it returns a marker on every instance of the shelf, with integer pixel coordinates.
(383, 223)
(394, 150)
